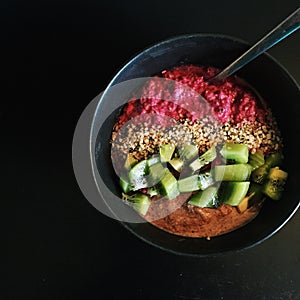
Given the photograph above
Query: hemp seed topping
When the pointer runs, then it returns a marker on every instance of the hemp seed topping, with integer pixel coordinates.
(142, 140)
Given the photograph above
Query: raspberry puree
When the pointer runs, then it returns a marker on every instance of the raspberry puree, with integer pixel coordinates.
(228, 100)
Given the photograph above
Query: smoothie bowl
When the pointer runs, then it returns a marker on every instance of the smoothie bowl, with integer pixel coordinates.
(193, 167)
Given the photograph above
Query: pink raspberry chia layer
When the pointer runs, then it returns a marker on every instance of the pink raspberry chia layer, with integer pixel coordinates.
(227, 101)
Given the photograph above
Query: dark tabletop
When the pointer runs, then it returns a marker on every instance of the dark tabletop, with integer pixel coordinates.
(59, 55)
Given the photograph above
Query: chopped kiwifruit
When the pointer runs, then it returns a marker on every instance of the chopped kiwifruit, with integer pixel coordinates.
(156, 173)
(146, 173)
(176, 163)
(233, 192)
(166, 152)
(125, 185)
(204, 159)
(274, 185)
(153, 160)
(188, 152)
(237, 152)
(205, 179)
(276, 173)
(152, 191)
(205, 198)
(188, 184)
(140, 202)
(273, 189)
(237, 172)
(137, 175)
(256, 159)
(169, 186)
(130, 161)
(260, 174)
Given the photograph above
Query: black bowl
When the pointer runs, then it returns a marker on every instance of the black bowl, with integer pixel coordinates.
(273, 83)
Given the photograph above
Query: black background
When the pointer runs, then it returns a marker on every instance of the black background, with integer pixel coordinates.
(60, 54)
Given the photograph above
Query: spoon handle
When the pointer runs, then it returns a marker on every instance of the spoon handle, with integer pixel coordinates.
(281, 31)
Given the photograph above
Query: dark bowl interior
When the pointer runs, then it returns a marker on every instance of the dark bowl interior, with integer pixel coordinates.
(274, 84)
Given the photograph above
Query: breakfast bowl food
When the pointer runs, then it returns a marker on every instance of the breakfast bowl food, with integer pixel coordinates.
(197, 168)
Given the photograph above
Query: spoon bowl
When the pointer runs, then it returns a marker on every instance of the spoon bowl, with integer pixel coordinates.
(280, 91)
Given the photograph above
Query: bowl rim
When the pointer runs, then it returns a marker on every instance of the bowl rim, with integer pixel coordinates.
(132, 60)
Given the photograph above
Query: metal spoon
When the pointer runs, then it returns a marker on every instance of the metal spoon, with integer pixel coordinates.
(281, 31)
